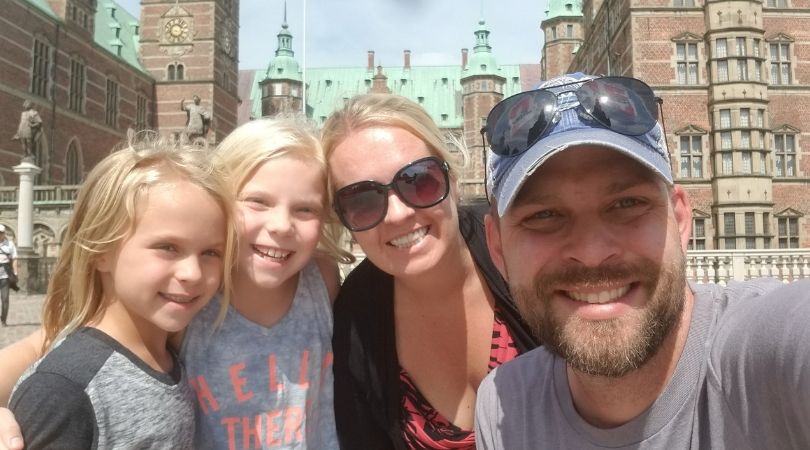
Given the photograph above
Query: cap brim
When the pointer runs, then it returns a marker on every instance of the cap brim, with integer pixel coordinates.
(528, 162)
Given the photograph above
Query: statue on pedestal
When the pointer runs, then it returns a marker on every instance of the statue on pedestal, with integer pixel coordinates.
(198, 119)
(28, 131)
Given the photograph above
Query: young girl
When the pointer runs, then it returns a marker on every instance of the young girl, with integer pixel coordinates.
(145, 250)
(262, 372)
(263, 377)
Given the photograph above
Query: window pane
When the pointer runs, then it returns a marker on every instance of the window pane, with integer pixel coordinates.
(685, 145)
(793, 226)
(692, 50)
(742, 70)
(725, 118)
(700, 228)
(750, 243)
(728, 223)
(682, 73)
(785, 74)
(745, 139)
(782, 230)
(790, 166)
(722, 70)
(745, 117)
(720, 45)
(697, 166)
(762, 163)
(746, 162)
(749, 223)
(693, 73)
(725, 140)
(780, 167)
(731, 244)
(740, 46)
(789, 143)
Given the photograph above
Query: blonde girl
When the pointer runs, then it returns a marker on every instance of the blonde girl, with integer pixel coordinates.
(145, 250)
(262, 371)
(263, 377)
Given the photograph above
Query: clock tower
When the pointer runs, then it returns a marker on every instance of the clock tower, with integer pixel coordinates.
(191, 48)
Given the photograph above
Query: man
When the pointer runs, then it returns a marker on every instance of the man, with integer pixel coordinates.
(28, 130)
(590, 233)
(8, 262)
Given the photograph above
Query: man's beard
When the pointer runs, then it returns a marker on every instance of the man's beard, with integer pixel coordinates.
(614, 347)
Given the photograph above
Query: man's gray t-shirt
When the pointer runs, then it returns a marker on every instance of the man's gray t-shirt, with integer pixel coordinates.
(742, 382)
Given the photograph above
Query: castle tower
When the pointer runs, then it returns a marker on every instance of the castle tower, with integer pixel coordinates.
(191, 48)
(482, 88)
(282, 85)
(740, 137)
(563, 32)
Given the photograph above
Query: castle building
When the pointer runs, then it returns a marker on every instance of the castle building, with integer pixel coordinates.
(734, 76)
(458, 97)
(95, 73)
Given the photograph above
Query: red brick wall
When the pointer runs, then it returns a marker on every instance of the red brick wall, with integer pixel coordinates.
(20, 24)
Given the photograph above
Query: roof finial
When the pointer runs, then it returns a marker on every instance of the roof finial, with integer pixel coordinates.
(284, 25)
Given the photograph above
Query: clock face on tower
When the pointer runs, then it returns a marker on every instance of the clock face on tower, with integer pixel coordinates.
(176, 30)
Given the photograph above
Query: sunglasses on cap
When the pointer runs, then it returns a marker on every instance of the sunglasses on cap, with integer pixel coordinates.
(420, 184)
(625, 105)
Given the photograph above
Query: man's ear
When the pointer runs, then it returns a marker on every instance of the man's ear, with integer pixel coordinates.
(683, 214)
(494, 246)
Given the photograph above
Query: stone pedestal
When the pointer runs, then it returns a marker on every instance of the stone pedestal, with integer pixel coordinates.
(26, 258)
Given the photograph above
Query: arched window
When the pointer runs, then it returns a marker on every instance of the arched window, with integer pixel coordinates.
(73, 171)
(175, 72)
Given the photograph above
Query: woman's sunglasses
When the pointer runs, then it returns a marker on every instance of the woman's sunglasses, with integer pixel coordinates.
(624, 105)
(420, 184)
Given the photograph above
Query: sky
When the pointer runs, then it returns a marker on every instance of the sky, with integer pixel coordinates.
(340, 33)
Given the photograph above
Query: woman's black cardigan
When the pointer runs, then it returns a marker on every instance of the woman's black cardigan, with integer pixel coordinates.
(368, 397)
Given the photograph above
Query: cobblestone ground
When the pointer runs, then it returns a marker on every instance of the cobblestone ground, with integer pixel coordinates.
(23, 317)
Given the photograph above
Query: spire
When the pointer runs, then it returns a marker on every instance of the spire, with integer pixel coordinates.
(482, 61)
(285, 38)
(482, 38)
(284, 65)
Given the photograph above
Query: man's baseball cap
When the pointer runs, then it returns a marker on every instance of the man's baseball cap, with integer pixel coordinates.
(571, 125)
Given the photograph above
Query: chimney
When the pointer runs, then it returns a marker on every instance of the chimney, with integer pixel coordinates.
(407, 59)
(379, 83)
(463, 58)
(370, 67)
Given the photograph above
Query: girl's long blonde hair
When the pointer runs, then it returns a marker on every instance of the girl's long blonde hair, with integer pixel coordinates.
(105, 215)
(258, 141)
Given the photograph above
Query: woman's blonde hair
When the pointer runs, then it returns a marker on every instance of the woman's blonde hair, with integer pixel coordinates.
(105, 214)
(386, 110)
(258, 141)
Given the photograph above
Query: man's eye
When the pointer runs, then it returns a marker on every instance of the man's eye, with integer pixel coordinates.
(628, 202)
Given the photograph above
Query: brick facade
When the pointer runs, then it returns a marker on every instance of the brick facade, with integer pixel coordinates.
(711, 64)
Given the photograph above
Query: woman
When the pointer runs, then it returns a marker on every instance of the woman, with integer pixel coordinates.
(426, 316)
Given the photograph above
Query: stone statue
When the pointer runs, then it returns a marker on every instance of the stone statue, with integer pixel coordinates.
(198, 119)
(28, 131)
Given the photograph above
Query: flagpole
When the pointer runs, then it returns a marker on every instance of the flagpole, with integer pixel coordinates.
(304, 70)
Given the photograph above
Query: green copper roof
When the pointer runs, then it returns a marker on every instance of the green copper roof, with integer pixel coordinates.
(284, 66)
(114, 28)
(43, 6)
(116, 31)
(482, 61)
(564, 8)
(436, 88)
